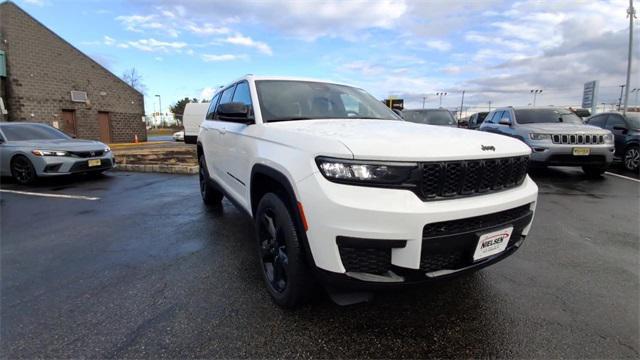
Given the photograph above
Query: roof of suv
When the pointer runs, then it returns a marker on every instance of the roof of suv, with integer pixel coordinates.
(288, 78)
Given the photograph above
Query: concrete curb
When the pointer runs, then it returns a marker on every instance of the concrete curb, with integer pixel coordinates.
(169, 169)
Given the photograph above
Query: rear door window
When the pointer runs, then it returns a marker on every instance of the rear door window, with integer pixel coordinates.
(598, 120)
(211, 113)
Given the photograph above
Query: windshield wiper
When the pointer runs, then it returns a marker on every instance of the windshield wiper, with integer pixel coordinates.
(290, 118)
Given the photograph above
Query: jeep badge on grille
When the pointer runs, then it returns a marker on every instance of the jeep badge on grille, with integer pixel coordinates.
(487, 148)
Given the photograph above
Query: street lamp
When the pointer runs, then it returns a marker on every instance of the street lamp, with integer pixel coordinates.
(424, 100)
(535, 93)
(636, 91)
(161, 114)
(441, 94)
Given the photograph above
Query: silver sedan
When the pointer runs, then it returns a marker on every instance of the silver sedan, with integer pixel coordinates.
(32, 150)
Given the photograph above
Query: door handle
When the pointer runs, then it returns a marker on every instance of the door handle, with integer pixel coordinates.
(222, 131)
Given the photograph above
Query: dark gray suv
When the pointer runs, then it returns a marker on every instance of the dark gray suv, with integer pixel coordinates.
(626, 131)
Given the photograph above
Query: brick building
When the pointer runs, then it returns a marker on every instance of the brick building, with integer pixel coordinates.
(48, 80)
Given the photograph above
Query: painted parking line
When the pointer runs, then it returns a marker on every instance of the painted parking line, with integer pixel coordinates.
(622, 176)
(60, 196)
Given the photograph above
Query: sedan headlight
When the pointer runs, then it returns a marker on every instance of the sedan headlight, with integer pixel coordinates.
(608, 139)
(365, 172)
(49, 153)
(107, 149)
(539, 137)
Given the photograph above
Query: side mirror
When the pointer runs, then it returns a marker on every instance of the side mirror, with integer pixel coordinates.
(235, 112)
(398, 112)
(505, 121)
(621, 128)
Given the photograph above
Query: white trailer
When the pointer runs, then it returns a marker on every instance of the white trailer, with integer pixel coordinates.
(193, 116)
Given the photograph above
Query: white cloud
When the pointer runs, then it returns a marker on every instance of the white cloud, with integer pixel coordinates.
(221, 57)
(153, 45)
(440, 45)
(241, 40)
(107, 40)
(207, 29)
(207, 93)
(155, 23)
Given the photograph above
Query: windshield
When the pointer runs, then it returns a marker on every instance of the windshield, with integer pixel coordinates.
(431, 117)
(18, 132)
(634, 120)
(284, 100)
(532, 116)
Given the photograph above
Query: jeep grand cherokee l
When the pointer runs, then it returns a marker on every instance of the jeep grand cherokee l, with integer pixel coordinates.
(342, 191)
(557, 137)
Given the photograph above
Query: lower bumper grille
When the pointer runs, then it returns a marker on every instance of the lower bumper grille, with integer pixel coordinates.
(373, 261)
(81, 166)
(569, 159)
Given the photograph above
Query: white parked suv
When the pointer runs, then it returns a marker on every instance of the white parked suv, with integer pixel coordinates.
(343, 191)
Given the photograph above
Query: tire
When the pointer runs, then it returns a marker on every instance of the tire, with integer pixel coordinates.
(631, 158)
(594, 172)
(282, 258)
(22, 170)
(210, 195)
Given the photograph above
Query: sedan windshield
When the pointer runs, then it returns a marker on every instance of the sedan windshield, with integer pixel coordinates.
(431, 117)
(284, 100)
(532, 116)
(19, 132)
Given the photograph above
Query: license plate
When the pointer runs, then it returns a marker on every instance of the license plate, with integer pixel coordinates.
(94, 162)
(581, 151)
(492, 243)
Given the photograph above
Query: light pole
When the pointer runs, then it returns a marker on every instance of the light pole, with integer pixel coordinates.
(489, 105)
(461, 106)
(424, 101)
(441, 94)
(535, 93)
(161, 114)
(631, 13)
(620, 98)
(636, 90)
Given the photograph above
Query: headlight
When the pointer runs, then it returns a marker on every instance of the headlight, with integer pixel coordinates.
(608, 138)
(365, 172)
(534, 136)
(49, 153)
(107, 149)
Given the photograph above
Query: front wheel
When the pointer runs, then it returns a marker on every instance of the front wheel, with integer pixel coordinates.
(594, 171)
(22, 170)
(210, 195)
(282, 260)
(632, 158)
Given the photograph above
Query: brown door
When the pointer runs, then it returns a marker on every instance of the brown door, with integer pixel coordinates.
(69, 122)
(104, 123)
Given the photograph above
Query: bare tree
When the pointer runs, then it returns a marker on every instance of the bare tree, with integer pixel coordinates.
(133, 78)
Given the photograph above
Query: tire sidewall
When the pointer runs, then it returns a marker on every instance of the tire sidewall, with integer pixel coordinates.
(624, 163)
(31, 168)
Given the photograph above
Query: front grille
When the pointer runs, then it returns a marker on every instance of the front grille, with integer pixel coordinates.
(373, 261)
(570, 159)
(453, 227)
(578, 139)
(86, 154)
(435, 262)
(464, 178)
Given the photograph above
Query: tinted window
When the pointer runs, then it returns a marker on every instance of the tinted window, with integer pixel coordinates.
(496, 117)
(242, 94)
(598, 120)
(634, 120)
(212, 108)
(227, 95)
(431, 117)
(284, 100)
(532, 116)
(480, 117)
(615, 120)
(506, 115)
(19, 132)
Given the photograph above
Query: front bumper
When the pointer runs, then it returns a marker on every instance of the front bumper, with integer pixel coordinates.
(381, 215)
(66, 165)
(546, 153)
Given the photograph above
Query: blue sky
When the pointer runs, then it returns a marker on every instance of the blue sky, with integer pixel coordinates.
(494, 50)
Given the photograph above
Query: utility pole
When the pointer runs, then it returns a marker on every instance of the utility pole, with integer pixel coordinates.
(620, 98)
(535, 93)
(424, 100)
(631, 13)
(461, 106)
(636, 90)
(161, 113)
(441, 94)
(489, 105)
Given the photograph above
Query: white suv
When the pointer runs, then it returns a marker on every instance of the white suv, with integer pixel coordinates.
(343, 191)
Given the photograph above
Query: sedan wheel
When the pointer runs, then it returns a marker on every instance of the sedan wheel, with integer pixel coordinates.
(632, 158)
(22, 170)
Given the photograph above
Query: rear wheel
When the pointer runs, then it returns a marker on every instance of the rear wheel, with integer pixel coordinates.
(210, 195)
(282, 260)
(22, 170)
(594, 171)
(632, 158)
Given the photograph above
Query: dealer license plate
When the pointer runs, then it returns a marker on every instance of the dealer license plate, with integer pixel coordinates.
(492, 243)
(94, 162)
(581, 151)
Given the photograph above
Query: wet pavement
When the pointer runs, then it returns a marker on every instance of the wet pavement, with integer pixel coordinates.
(148, 271)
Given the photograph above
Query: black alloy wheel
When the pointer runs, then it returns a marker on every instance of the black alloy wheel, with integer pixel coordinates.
(22, 170)
(632, 158)
(275, 261)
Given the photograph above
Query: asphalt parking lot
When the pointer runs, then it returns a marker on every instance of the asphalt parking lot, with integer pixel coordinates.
(133, 265)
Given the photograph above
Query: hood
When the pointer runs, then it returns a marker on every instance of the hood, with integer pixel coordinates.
(564, 128)
(402, 141)
(61, 144)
